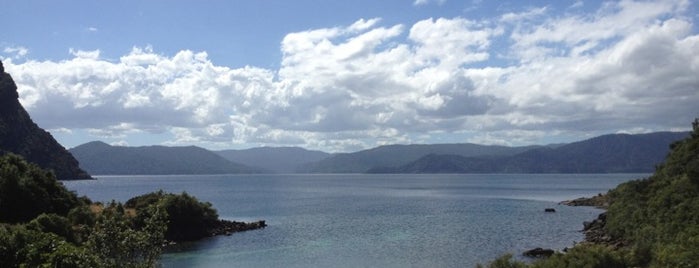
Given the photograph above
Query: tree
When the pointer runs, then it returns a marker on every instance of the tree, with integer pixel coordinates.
(26, 191)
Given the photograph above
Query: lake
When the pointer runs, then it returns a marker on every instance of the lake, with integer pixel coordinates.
(373, 220)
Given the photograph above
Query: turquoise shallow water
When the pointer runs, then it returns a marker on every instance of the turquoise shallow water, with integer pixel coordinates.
(373, 220)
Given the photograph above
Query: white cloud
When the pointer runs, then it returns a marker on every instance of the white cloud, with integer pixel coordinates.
(529, 14)
(425, 2)
(17, 51)
(628, 66)
(92, 55)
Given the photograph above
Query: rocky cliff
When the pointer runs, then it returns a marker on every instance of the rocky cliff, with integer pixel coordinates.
(20, 135)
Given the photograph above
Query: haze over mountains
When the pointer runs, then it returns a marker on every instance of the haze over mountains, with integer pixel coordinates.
(275, 159)
(99, 158)
(604, 154)
(617, 153)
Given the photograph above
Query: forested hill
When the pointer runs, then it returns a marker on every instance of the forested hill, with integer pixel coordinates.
(613, 153)
(100, 158)
(20, 135)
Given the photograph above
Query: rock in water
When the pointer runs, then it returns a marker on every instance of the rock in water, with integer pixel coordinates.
(21, 136)
(538, 253)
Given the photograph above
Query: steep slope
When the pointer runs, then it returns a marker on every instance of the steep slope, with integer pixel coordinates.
(603, 154)
(660, 215)
(104, 159)
(274, 159)
(20, 135)
(397, 155)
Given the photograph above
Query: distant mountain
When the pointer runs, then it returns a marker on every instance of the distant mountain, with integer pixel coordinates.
(614, 153)
(103, 159)
(21, 136)
(274, 159)
(398, 155)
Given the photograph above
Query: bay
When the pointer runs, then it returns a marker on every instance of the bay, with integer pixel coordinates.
(373, 220)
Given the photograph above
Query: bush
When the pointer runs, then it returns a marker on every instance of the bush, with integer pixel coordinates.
(187, 217)
(27, 191)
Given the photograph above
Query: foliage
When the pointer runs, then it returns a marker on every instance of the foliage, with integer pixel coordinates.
(505, 261)
(44, 225)
(660, 214)
(27, 191)
(133, 248)
(588, 256)
(187, 217)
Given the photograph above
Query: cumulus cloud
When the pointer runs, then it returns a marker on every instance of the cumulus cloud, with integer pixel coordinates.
(628, 66)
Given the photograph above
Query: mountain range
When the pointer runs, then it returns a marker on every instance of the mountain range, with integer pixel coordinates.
(100, 158)
(274, 159)
(617, 153)
(614, 153)
(396, 155)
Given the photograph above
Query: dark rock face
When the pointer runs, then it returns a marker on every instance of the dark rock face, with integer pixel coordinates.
(21, 136)
(538, 253)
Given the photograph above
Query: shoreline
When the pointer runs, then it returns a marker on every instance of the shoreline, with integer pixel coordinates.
(223, 227)
(594, 230)
(226, 227)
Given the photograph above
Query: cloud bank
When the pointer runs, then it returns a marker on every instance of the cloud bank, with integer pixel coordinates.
(522, 78)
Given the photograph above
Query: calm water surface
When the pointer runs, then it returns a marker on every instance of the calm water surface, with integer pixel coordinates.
(373, 220)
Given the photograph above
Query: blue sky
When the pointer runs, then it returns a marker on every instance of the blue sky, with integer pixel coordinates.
(349, 75)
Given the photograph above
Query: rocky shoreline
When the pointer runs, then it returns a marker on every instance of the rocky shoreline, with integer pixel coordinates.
(599, 201)
(224, 227)
(594, 230)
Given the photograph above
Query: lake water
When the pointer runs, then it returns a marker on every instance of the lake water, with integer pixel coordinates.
(373, 220)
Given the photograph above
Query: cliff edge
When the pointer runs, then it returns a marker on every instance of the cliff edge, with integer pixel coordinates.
(21, 136)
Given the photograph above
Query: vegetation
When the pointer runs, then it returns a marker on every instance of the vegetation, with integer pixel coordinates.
(188, 219)
(42, 224)
(657, 216)
(27, 191)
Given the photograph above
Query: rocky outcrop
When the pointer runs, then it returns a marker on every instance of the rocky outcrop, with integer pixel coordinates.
(21, 136)
(224, 227)
(596, 233)
(538, 253)
(599, 201)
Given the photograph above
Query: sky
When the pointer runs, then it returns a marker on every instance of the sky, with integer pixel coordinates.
(342, 76)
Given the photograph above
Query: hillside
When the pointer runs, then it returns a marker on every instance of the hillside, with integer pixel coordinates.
(20, 135)
(652, 222)
(274, 159)
(615, 153)
(104, 159)
(397, 155)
